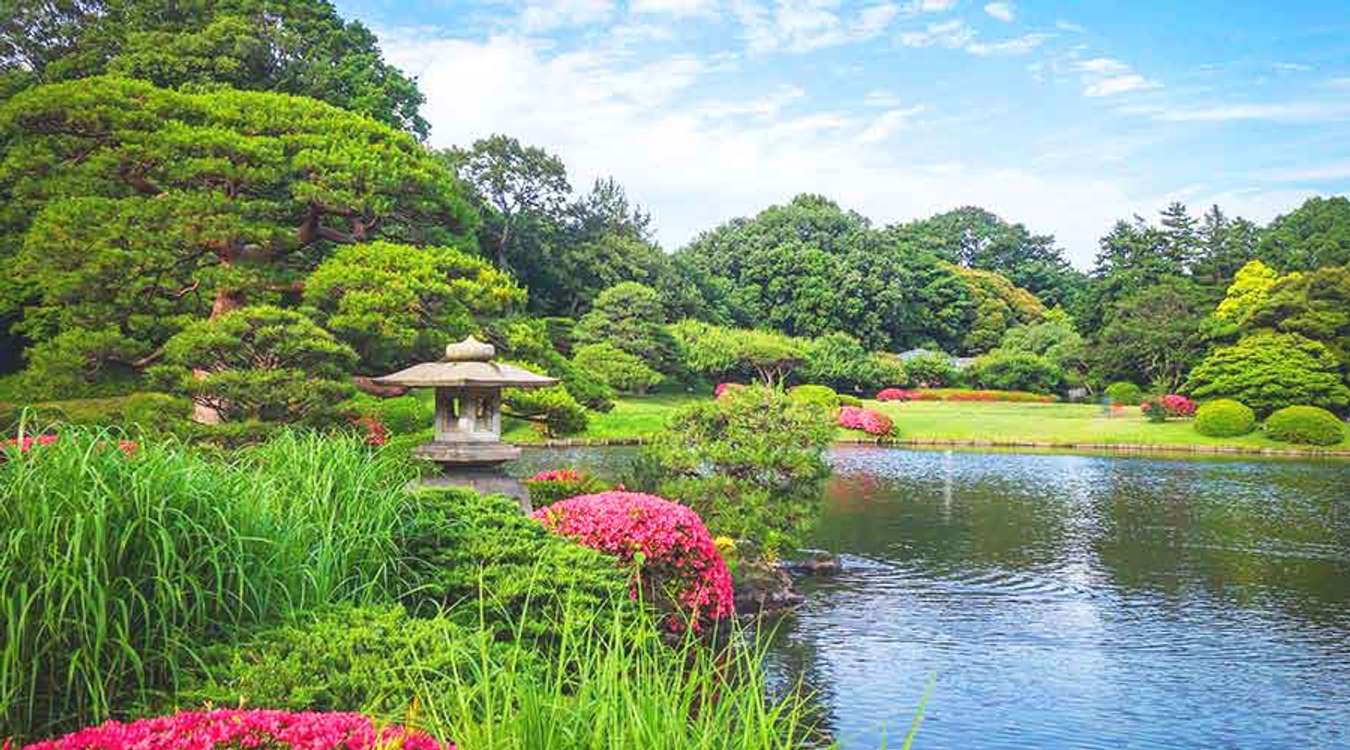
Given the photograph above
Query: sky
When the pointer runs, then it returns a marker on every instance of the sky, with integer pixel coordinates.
(1064, 116)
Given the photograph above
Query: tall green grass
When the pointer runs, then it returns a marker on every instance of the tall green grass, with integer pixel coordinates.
(115, 570)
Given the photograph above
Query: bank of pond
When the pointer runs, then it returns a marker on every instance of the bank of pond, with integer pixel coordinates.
(1002, 599)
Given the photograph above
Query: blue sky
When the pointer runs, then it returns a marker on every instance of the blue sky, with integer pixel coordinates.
(1062, 115)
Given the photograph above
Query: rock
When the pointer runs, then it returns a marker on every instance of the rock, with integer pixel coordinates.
(816, 564)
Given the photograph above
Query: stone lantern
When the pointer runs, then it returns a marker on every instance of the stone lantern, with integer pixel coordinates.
(468, 443)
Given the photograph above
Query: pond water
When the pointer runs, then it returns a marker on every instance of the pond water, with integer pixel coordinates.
(1074, 601)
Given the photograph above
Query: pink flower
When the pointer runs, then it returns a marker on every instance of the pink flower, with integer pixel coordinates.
(673, 543)
(896, 394)
(558, 475)
(233, 728)
(376, 433)
(868, 420)
(722, 388)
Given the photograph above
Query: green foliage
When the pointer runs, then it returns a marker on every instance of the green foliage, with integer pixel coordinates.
(1269, 371)
(402, 415)
(146, 412)
(1315, 235)
(1308, 425)
(1125, 392)
(77, 363)
(849, 400)
(544, 492)
(553, 410)
(527, 340)
(840, 361)
(396, 304)
(1016, 371)
(1054, 338)
(630, 317)
(1224, 418)
(297, 47)
(819, 395)
(1315, 304)
(932, 370)
(1153, 335)
(462, 548)
(731, 354)
(116, 570)
(232, 198)
(619, 370)
(750, 463)
(1249, 288)
(373, 659)
(258, 362)
(996, 305)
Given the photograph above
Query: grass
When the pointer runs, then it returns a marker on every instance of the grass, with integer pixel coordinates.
(115, 570)
(636, 417)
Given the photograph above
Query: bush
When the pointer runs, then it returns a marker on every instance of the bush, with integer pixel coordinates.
(528, 342)
(375, 659)
(932, 370)
(723, 388)
(1161, 408)
(1269, 371)
(820, 395)
(894, 394)
(80, 363)
(553, 410)
(464, 548)
(840, 361)
(1224, 418)
(402, 415)
(156, 412)
(225, 728)
(750, 463)
(1308, 425)
(548, 487)
(629, 316)
(847, 400)
(666, 542)
(1016, 371)
(259, 362)
(617, 368)
(152, 412)
(868, 420)
(720, 353)
(1124, 392)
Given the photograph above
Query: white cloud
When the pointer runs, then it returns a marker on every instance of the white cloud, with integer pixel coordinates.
(695, 166)
(1069, 26)
(1106, 76)
(1309, 111)
(1291, 67)
(1016, 46)
(674, 7)
(931, 6)
(542, 15)
(805, 25)
(1337, 83)
(1001, 11)
(952, 34)
(881, 98)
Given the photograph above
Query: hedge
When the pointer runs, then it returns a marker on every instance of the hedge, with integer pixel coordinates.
(1308, 425)
(1224, 418)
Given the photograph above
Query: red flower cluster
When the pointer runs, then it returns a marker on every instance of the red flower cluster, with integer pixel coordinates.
(206, 730)
(558, 475)
(869, 421)
(671, 539)
(27, 442)
(896, 394)
(376, 433)
(724, 387)
(1173, 405)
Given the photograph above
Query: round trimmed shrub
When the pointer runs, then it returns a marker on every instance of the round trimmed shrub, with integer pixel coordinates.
(1224, 418)
(1308, 425)
(1124, 392)
(820, 395)
(848, 400)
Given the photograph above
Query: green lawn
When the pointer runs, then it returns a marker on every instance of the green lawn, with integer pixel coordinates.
(1062, 425)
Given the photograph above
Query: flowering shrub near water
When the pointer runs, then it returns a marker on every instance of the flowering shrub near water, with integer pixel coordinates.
(667, 540)
(869, 421)
(548, 487)
(1175, 406)
(897, 394)
(260, 729)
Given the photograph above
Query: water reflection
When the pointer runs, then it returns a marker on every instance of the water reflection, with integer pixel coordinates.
(1075, 601)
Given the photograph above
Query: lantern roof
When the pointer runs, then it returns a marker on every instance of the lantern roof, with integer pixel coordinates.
(467, 364)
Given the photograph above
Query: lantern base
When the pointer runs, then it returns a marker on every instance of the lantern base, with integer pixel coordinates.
(452, 455)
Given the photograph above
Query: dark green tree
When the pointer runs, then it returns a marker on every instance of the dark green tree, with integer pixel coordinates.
(629, 316)
(1153, 336)
(1315, 235)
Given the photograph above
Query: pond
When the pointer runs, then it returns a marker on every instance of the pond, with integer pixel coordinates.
(1075, 601)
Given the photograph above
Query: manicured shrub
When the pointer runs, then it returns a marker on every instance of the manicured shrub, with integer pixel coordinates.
(80, 363)
(750, 463)
(841, 362)
(1224, 418)
(895, 394)
(553, 411)
(1269, 371)
(630, 317)
(258, 362)
(819, 395)
(868, 420)
(375, 659)
(720, 353)
(619, 369)
(1171, 406)
(1016, 371)
(666, 542)
(1124, 392)
(548, 487)
(1305, 424)
(152, 412)
(461, 547)
(849, 400)
(932, 370)
(237, 728)
(527, 342)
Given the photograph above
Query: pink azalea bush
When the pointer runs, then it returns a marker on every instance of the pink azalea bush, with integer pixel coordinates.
(896, 394)
(1172, 405)
(868, 420)
(668, 542)
(724, 387)
(548, 487)
(234, 729)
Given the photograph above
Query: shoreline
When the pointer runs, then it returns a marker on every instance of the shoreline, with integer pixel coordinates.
(1081, 448)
